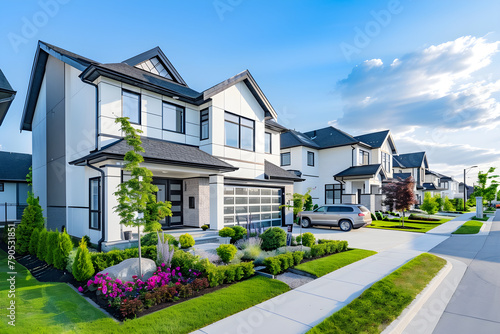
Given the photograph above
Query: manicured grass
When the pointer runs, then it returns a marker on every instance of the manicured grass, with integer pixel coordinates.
(384, 301)
(470, 227)
(56, 308)
(333, 262)
(413, 225)
(480, 219)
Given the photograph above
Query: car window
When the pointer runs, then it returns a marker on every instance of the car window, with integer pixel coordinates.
(333, 209)
(320, 209)
(346, 209)
(363, 209)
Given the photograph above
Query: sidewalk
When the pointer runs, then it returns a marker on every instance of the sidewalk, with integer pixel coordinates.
(299, 310)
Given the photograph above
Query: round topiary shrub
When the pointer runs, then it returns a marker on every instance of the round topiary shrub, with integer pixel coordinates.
(273, 238)
(227, 232)
(308, 239)
(226, 252)
(239, 233)
(205, 227)
(186, 240)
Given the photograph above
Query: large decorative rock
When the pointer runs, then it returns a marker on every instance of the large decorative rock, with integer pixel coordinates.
(130, 267)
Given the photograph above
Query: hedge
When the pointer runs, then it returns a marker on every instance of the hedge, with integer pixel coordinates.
(218, 275)
(279, 263)
(328, 247)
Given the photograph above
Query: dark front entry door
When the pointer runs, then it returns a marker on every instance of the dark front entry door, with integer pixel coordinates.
(170, 190)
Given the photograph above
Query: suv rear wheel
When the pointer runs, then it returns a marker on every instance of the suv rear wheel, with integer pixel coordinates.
(345, 225)
(306, 222)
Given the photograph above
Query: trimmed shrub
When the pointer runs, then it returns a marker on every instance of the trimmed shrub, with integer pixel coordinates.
(227, 232)
(239, 233)
(71, 259)
(82, 267)
(52, 244)
(86, 239)
(204, 227)
(186, 240)
(273, 238)
(218, 275)
(226, 252)
(151, 239)
(279, 263)
(373, 216)
(32, 218)
(298, 239)
(379, 216)
(42, 245)
(328, 247)
(298, 256)
(101, 261)
(308, 239)
(33, 246)
(61, 253)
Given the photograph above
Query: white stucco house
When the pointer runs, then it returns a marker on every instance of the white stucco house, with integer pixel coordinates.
(215, 153)
(13, 185)
(412, 164)
(339, 167)
(438, 183)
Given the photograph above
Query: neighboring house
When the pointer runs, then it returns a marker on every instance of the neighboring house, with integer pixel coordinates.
(338, 167)
(441, 184)
(470, 190)
(415, 165)
(214, 154)
(13, 186)
(7, 95)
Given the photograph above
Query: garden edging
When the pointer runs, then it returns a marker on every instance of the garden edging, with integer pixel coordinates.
(404, 319)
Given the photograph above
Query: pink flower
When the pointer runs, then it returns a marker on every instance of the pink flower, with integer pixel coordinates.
(104, 289)
(80, 289)
(177, 283)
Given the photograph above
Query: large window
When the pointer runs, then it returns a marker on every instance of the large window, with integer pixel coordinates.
(285, 159)
(95, 203)
(131, 106)
(310, 158)
(173, 118)
(386, 161)
(1, 186)
(204, 127)
(239, 132)
(242, 204)
(364, 157)
(333, 193)
(268, 143)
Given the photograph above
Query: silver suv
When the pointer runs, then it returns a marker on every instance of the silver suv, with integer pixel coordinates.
(345, 216)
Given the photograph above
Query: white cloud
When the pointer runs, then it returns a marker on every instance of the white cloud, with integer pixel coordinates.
(435, 87)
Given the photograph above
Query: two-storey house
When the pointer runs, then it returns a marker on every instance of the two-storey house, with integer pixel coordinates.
(443, 185)
(415, 165)
(214, 154)
(338, 167)
(7, 95)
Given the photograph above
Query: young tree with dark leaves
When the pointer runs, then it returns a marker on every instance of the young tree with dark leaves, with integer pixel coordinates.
(399, 195)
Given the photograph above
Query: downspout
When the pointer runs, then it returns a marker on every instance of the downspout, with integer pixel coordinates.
(352, 155)
(103, 207)
(96, 113)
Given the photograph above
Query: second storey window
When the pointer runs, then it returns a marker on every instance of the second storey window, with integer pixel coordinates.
(239, 132)
(1, 186)
(310, 158)
(386, 161)
(267, 146)
(131, 105)
(204, 124)
(364, 157)
(173, 118)
(285, 159)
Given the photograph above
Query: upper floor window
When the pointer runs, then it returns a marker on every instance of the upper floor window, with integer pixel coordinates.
(386, 161)
(131, 105)
(173, 118)
(239, 132)
(310, 158)
(267, 145)
(285, 159)
(204, 127)
(364, 157)
(1, 186)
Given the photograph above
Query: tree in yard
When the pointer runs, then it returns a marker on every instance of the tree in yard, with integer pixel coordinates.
(399, 195)
(439, 201)
(485, 190)
(61, 253)
(308, 202)
(83, 269)
(448, 206)
(137, 204)
(429, 205)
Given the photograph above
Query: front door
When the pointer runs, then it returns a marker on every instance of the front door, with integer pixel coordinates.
(170, 190)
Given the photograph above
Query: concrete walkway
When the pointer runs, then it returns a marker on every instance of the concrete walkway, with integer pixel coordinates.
(299, 310)
(468, 301)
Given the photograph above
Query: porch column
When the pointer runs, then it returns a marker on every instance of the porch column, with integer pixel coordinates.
(367, 187)
(348, 187)
(216, 183)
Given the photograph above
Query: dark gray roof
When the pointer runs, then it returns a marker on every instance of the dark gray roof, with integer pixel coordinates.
(162, 152)
(439, 175)
(410, 160)
(274, 172)
(14, 166)
(331, 137)
(62, 53)
(365, 170)
(431, 186)
(402, 176)
(7, 95)
(293, 138)
(375, 139)
(273, 125)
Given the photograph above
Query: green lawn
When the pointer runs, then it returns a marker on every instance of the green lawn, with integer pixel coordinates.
(56, 308)
(421, 226)
(384, 301)
(333, 262)
(485, 218)
(470, 227)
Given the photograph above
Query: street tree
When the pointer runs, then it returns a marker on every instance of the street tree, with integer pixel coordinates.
(399, 195)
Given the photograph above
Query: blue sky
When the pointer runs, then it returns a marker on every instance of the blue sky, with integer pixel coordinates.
(318, 62)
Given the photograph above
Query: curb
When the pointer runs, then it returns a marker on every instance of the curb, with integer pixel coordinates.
(404, 319)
